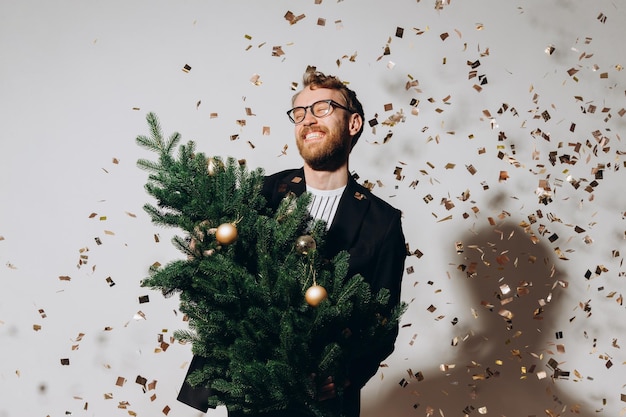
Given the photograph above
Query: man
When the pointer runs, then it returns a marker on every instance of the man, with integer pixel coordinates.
(328, 121)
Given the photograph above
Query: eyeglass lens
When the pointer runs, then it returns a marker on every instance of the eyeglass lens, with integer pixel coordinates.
(319, 109)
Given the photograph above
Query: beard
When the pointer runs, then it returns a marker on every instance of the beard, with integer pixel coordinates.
(329, 154)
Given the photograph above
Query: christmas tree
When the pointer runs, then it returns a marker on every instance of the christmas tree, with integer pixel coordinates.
(271, 317)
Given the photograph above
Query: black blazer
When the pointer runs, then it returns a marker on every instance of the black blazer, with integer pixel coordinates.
(371, 231)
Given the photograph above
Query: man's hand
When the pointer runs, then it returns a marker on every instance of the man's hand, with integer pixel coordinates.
(327, 390)
(200, 231)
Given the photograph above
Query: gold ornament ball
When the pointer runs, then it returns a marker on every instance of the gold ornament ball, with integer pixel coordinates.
(226, 233)
(304, 244)
(315, 295)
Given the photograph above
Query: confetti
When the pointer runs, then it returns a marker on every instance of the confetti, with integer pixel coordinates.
(256, 79)
(292, 18)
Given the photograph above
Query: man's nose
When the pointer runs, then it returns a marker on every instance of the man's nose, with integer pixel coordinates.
(309, 119)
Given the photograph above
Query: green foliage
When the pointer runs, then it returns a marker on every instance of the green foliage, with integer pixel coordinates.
(266, 348)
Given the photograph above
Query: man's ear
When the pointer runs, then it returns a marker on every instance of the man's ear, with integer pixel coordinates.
(355, 123)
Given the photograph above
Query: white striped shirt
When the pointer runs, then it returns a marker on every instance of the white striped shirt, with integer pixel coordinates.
(324, 203)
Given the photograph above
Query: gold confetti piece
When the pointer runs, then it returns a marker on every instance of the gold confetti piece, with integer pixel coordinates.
(108, 396)
(141, 380)
(292, 18)
(266, 131)
(92, 215)
(277, 51)
(144, 299)
(108, 232)
(256, 79)
(36, 327)
(120, 381)
(140, 315)
(65, 361)
(446, 367)
(166, 410)
(65, 278)
(186, 68)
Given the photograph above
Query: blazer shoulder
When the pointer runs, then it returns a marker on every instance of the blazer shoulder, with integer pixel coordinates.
(277, 185)
(286, 174)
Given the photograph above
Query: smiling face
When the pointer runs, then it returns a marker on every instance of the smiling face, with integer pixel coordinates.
(325, 143)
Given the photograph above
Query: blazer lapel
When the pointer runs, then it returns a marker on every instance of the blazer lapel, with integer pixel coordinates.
(347, 222)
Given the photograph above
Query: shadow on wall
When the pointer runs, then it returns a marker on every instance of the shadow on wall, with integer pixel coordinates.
(505, 351)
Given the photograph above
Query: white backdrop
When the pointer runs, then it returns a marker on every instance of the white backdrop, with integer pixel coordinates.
(505, 114)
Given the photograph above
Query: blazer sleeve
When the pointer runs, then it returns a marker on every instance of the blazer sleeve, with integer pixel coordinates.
(198, 396)
(388, 268)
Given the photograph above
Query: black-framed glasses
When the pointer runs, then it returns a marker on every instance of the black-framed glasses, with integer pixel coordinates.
(318, 109)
